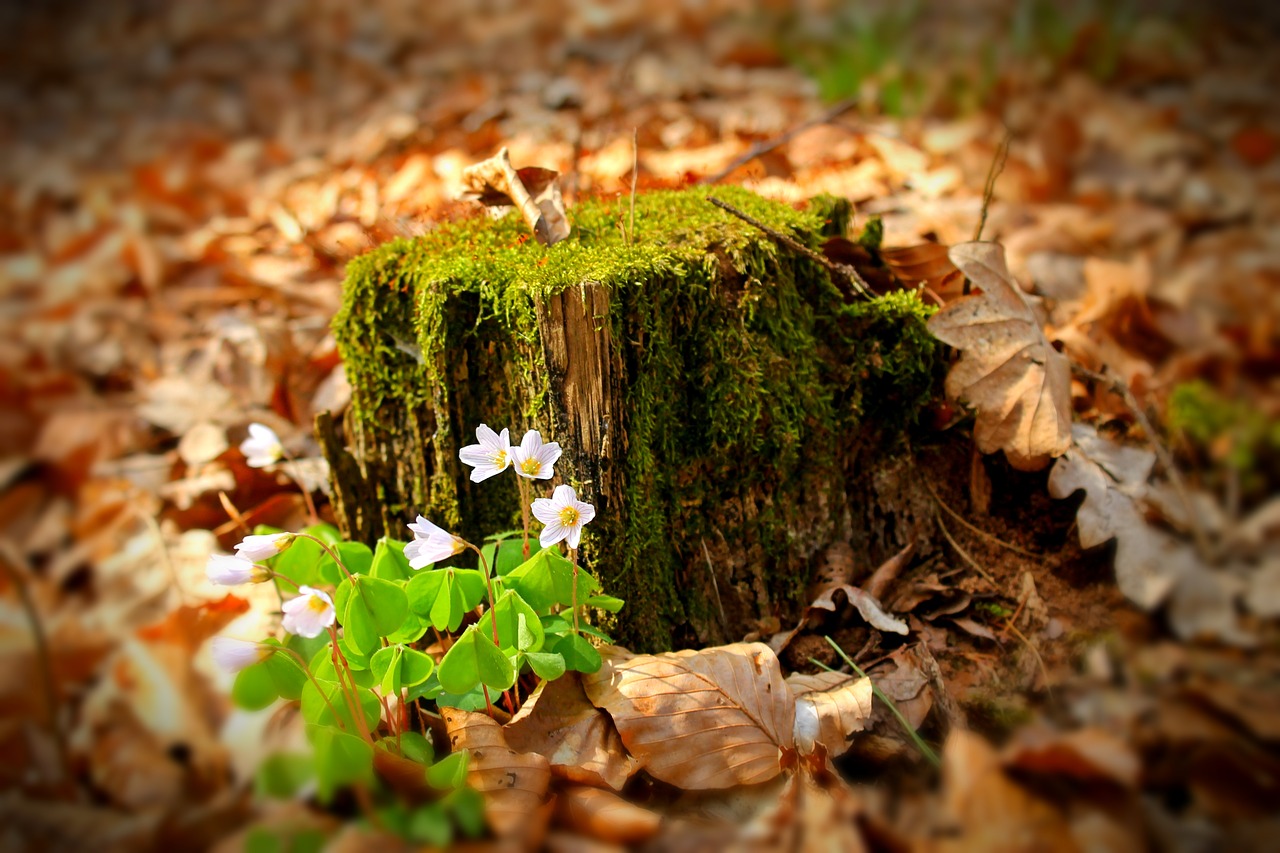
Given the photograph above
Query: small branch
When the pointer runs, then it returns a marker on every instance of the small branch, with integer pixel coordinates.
(1118, 386)
(715, 585)
(963, 553)
(776, 142)
(844, 270)
(988, 189)
(977, 531)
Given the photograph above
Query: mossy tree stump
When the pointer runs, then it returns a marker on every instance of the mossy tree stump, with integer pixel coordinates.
(715, 395)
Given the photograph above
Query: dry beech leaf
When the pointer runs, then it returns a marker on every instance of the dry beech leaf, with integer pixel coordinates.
(580, 741)
(514, 784)
(866, 605)
(1018, 383)
(988, 810)
(927, 264)
(712, 718)
(814, 813)
(830, 706)
(605, 816)
(495, 182)
(1086, 754)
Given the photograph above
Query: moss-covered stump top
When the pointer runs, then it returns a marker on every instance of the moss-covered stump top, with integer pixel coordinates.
(706, 383)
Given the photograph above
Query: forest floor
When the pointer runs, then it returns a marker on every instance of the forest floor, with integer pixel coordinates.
(180, 191)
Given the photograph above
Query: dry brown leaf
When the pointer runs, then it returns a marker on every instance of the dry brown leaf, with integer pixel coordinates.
(1085, 755)
(1151, 565)
(514, 784)
(830, 706)
(495, 182)
(988, 811)
(605, 816)
(927, 264)
(580, 741)
(712, 718)
(1008, 371)
(871, 610)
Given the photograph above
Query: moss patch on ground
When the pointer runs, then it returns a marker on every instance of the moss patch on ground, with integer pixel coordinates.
(745, 376)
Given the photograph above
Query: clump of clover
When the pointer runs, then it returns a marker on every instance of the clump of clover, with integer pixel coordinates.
(360, 624)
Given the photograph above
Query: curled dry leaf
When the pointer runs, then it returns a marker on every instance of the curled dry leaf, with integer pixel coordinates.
(712, 718)
(495, 182)
(580, 741)
(605, 816)
(1008, 371)
(1151, 566)
(830, 706)
(514, 784)
(926, 264)
(867, 605)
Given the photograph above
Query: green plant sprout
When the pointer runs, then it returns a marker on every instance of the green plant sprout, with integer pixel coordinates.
(355, 655)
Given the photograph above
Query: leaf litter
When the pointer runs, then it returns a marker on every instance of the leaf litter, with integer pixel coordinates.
(168, 290)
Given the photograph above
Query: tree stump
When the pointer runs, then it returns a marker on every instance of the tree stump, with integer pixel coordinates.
(717, 397)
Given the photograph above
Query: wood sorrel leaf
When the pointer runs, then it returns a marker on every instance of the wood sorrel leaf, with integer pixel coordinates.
(254, 688)
(389, 561)
(472, 660)
(449, 772)
(356, 556)
(509, 610)
(546, 579)
(547, 665)
(341, 759)
(579, 654)
(336, 713)
(604, 602)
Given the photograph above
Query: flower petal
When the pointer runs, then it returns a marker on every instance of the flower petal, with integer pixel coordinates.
(545, 510)
(564, 496)
(476, 454)
(552, 533)
(484, 471)
(575, 535)
(586, 511)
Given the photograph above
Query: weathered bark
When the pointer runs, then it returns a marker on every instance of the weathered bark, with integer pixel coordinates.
(710, 390)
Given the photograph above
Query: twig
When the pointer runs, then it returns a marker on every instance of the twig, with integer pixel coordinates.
(715, 585)
(1044, 670)
(635, 171)
(768, 145)
(1118, 385)
(41, 643)
(977, 531)
(993, 172)
(925, 749)
(963, 553)
(848, 272)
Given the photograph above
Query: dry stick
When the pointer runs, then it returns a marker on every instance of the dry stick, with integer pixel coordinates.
(977, 530)
(925, 749)
(154, 527)
(1118, 385)
(1044, 670)
(993, 172)
(963, 553)
(778, 141)
(42, 655)
(854, 277)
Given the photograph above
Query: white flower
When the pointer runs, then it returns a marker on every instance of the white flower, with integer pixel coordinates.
(431, 544)
(231, 570)
(309, 614)
(234, 655)
(263, 546)
(533, 459)
(491, 456)
(262, 447)
(563, 514)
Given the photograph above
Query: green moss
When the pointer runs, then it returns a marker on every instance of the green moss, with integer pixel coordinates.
(1230, 431)
(744, 374)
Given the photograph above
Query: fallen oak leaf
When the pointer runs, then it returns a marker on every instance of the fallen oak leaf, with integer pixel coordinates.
(699, 719)
(1008, 371)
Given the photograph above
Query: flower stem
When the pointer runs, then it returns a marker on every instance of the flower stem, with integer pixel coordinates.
(524, 512)
(347, 685)
(573, 552)
(488, 579)
(307, 669)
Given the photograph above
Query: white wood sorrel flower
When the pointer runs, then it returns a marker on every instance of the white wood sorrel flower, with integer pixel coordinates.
(431, 544)
(491, 456)
(310, 613)
(533, 459)
(263, 546)
(563, 514)
(234, 655)
(263, 447)
(232, 569)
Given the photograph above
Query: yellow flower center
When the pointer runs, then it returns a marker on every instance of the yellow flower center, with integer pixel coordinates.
(500, 459)
(318, 604)
(569, 516)
(530, 466)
